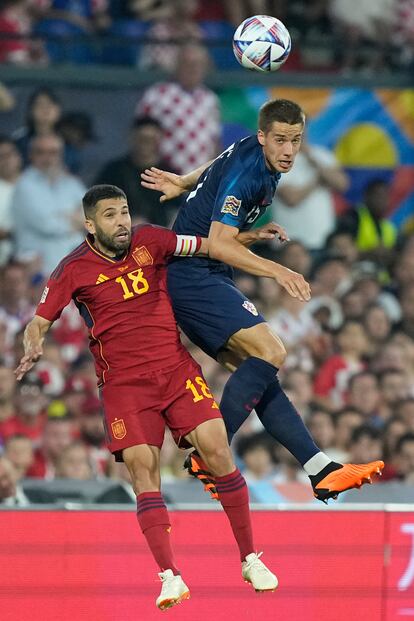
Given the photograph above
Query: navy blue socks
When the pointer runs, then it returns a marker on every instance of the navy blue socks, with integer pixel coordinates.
(281, 419)
(243, 391)
(254, 385)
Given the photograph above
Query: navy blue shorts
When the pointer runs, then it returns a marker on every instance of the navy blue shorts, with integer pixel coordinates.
(207, 304)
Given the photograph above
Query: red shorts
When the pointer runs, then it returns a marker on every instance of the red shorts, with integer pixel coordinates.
(138, 409)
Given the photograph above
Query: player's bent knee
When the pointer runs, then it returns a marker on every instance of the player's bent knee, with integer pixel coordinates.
(219, 460)
(275, 355)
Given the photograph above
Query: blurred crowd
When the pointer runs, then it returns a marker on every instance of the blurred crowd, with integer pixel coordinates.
(350, 364)
(330, 35)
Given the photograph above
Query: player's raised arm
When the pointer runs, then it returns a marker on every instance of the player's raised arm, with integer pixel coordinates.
(34, 335)
(224, 246)
(170, 184)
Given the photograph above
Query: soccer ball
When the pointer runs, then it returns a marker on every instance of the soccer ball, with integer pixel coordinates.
(261, 43)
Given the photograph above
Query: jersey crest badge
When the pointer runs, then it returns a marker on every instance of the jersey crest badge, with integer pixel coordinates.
(231, 205)
(44, 295)
(142, 256)
(101, 278)
(250, 307)
(118, 428)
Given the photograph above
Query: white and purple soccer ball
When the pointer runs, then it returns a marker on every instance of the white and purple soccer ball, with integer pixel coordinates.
(261, 43)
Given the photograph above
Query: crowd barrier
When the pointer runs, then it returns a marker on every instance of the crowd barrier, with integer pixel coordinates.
(93, 565)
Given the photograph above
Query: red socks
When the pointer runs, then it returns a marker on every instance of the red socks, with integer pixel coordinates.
(155, 524)
(234, 497)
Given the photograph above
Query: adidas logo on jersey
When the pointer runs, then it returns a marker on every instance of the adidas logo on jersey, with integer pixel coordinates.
(101, 278)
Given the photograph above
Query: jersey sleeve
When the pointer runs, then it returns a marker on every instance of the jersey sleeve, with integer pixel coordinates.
(57, 293)
(166, 243)
(234, 195)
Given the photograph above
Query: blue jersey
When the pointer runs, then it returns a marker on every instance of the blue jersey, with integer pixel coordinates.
(235, 189)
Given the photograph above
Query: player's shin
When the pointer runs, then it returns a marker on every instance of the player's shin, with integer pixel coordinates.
(234, 497)
(155, 524)
(243, 391)
(281, 419)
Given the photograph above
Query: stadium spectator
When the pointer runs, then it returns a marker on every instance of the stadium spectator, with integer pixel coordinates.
(167, 33)
(145, 138)
(46, 205)
(404, 458)
(15, 304)
(367, 28)
(300, 382)
(342, 244)
(374, 235)
(236, 12)
(393, 430)
(73, 463)
(7, 389)
(76, 391)
(405, 411)
(406, 324)
(331, 380)
(364, 395)
(353, 304)
(30, 416)
(7, 479)
(77, 131)
(321, 425)
(7, 99)
(146, 10)
(15, 26)
(346, 420)
(331, 277)
(19, 451)
(92, 434)
(306, 190)
(10, 169)
(299, 328)
(58, 433)
(365, 443)
(394, 387)
(187, 110)
(296, 257)
(377, 325)
(86, 15)
(255, 452)
(43, 112)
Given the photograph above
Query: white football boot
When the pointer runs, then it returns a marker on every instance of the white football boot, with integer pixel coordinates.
(173, 590)
(256, 572)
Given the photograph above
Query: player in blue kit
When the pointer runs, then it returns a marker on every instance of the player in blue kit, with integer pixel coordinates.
(227, 196)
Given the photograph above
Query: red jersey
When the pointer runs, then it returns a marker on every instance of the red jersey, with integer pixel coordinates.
(125, 304)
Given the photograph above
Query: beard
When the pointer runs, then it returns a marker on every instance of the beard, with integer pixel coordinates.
(110, 243)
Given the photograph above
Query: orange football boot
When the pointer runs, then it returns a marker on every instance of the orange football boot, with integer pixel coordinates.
(346, 477)
(198, 469)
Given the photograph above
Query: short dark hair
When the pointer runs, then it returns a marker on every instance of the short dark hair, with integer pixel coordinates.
(143, 121)
(98, 193)
(365, 431)
(407, 438)
(282, 111)
(7, 140)
(372, 185)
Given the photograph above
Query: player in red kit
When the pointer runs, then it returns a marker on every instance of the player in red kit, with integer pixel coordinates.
(148, 380)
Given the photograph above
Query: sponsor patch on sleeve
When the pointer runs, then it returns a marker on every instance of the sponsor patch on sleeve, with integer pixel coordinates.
(44, 295)
(231, 205)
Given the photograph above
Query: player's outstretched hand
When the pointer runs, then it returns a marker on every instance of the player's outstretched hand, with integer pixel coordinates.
(27, 362)
(271, 230)
(294, 283)
(169, 184)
